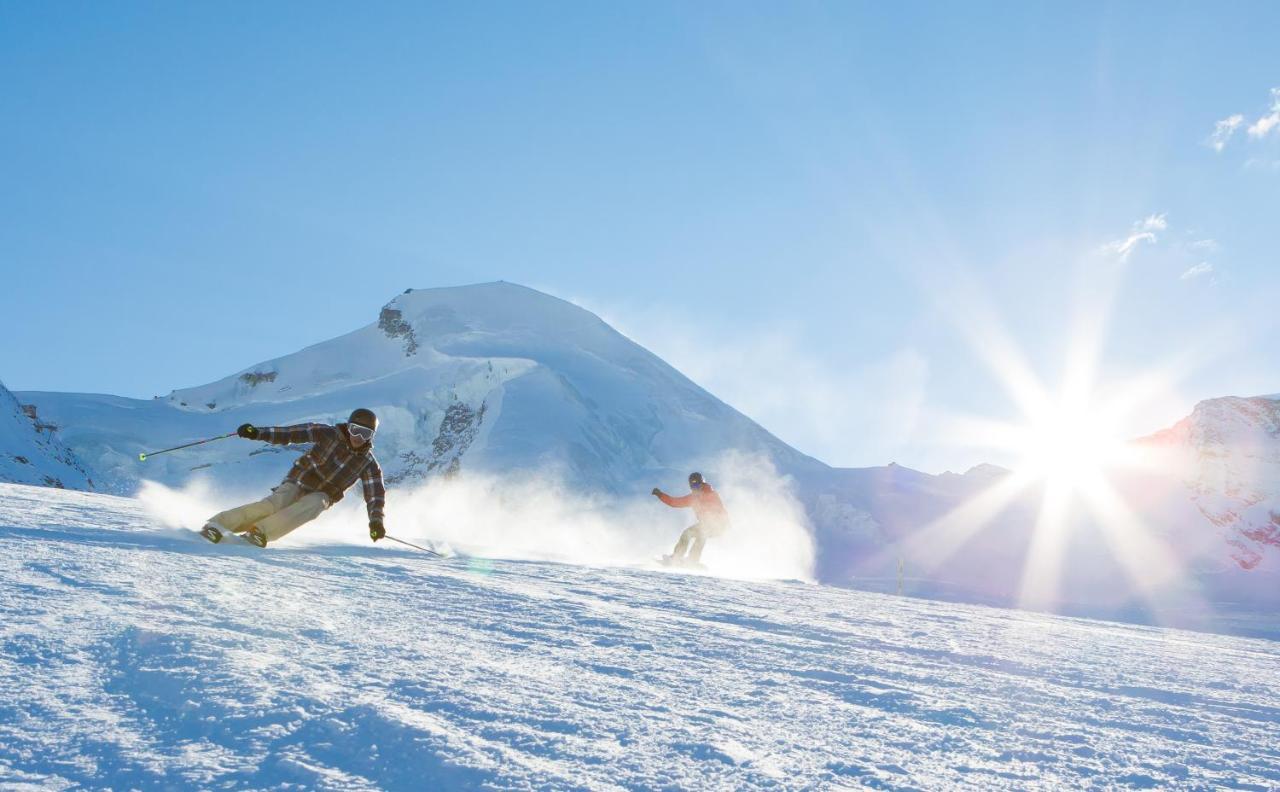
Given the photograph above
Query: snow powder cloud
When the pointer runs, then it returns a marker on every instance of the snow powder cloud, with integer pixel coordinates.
(534, 515)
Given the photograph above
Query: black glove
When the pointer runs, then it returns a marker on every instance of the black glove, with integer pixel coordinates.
(656, 491)
(248, 431)
(376, 531)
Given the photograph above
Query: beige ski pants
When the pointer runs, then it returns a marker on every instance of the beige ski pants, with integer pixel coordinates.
(698, 533)
(287, 507)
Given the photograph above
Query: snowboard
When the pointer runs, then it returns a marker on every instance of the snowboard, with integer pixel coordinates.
(680, 563)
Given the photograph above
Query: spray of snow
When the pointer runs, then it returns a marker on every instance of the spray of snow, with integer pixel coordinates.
(188, 507)
(771, 536)
(536, 516)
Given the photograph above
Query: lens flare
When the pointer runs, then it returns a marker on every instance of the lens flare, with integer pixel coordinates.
(1068, 448)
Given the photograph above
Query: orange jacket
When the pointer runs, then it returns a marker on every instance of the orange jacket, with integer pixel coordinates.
(704, 501)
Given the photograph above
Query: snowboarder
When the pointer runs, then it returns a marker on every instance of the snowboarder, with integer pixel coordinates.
(318, 479)
(713, 520)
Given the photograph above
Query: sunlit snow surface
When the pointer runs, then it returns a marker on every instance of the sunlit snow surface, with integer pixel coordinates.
(141, 657)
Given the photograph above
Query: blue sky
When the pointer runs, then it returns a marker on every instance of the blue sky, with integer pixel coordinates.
(807, 207)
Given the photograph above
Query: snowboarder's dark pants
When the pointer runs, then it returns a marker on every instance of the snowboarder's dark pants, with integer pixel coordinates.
(698, 534)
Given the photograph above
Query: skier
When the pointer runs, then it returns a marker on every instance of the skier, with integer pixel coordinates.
(341, 454)
(713, 520)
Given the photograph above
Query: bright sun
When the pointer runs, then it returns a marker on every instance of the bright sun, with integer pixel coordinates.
(1068, 445)
(1072, 443)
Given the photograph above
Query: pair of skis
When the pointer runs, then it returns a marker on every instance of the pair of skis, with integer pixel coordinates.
(214, 535)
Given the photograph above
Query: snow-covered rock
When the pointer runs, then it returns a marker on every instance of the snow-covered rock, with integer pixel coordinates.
(1228, 455)
(32, 453)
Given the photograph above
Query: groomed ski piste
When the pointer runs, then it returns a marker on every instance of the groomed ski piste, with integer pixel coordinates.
(137, 656)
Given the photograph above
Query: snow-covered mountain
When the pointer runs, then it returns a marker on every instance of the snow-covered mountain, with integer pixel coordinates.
(487, 378)
(136, 657)
(1228, 457)
(30, 451)
(497, 380)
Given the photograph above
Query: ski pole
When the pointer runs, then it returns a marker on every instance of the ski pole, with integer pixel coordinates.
(411, 544)
(143, 456)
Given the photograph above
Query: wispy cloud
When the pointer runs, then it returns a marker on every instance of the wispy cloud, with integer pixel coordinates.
(1262, 127)
(1271, 121)
(1223, 130)
(1203, 268)
(1143, 231)
(1155, 223)
(1178, 249)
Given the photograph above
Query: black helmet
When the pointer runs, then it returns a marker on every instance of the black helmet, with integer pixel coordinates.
(695, 479)
(364, 417)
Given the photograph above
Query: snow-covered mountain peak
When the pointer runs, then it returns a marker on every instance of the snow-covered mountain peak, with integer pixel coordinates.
(509, 377)
(510, 326)
(493, 309)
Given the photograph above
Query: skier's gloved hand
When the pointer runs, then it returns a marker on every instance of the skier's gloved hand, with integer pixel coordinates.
(376, 531)
(656, 491)
(248, 431)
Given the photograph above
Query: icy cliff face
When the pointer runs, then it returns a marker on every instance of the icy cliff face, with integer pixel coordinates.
(1228, 452)
(30, 451)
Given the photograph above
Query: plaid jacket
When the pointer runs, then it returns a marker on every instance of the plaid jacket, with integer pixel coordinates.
(332, 465)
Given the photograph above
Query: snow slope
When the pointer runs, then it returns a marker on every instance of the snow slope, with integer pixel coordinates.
(134, 656)
(30, 453)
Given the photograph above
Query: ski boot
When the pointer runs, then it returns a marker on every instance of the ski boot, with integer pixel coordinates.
(256, 536)
(211, 532)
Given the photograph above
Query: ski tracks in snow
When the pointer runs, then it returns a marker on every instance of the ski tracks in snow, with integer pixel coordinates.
(139, 657)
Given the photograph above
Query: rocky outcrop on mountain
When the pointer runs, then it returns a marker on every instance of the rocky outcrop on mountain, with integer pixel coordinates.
(391, 322)
(457, 431)
(1228, 453)
(30, 451)
(256, 378)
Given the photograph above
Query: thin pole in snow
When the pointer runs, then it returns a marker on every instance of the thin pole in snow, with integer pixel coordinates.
(411, 544)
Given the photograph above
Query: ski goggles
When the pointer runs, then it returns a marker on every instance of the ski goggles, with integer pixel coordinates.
(363, 432)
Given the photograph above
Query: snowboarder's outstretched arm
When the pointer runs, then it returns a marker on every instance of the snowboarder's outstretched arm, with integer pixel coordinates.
(684, 501)
(301, 433)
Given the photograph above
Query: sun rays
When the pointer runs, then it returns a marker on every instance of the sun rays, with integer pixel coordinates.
(1069, 447)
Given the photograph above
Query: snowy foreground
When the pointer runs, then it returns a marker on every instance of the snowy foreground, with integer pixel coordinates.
(140, 657)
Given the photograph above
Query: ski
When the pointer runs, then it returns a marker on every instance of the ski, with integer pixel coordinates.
(214, 535)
